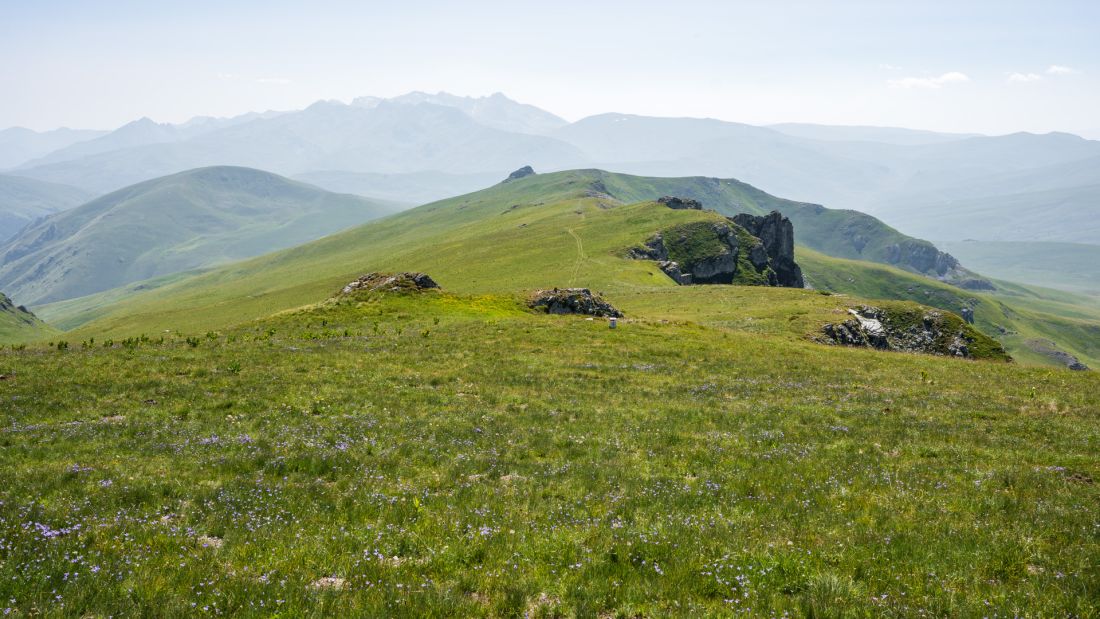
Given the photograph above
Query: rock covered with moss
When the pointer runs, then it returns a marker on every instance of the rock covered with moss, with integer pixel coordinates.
(776, 232)
(572, 301)
(391, 282)
(912, 328)
(725, 252)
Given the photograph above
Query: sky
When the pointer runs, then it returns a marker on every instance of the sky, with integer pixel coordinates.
(966, 66)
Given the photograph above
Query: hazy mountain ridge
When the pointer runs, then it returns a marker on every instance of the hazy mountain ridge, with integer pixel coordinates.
(912, 180)
(387, 138)
(19, 145)
(185, 221)
(23, 200)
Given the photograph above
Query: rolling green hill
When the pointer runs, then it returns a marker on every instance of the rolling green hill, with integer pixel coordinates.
(18, 325)
(185, 221)
(560, 229)
(23, 200)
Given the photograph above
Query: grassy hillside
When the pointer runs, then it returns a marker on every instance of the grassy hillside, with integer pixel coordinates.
(23, 200)
(559, 229)
(1014, 314)
(453, 455)
(840, 233)
(1067, 266)
(184, 221)
(18, 325)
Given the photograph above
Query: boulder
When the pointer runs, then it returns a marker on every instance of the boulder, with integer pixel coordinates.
(523, 172)
(572, 301)
(391, 282)
(675, 203)
(672, 269)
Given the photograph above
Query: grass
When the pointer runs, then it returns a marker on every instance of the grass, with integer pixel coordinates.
(17, 327)
(447, 454)
(562, 229)
(1013, 313)
(263, 451)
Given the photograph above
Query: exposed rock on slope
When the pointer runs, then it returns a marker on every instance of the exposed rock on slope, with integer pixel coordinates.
(777, 234)
(744, 250)
(523, 172)
(1050, 350)
(389, 282)
(19, 312)
(680, 203)
(912, 328)
(572, 301)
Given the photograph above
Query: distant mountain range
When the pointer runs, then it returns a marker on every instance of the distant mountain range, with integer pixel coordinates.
(421, 147)
(189, 220)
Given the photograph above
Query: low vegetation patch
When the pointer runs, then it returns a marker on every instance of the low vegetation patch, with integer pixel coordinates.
(459, 455)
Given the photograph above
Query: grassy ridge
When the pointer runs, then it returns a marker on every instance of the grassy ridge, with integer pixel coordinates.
(560, 229)
(556, 467)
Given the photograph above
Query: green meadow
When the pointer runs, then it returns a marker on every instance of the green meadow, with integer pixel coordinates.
(246, 441)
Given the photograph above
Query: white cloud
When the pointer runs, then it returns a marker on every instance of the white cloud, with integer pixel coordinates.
(273, 80)
(1057, 69)
(1024, 77)
(888, 67)
(954, 77)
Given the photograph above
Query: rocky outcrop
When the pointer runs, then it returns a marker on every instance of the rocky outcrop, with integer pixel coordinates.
(572, 301)
(523, 172)
(675, 203)
(777, 234)
(391, 282)
(973, 283)
(724, 252)
(912, 329)
(1050, 350)
(967, 315)
(21, 313)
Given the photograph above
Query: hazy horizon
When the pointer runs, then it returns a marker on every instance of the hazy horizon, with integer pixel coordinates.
(985, 67)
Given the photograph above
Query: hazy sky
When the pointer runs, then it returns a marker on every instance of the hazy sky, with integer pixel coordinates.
(961, 65)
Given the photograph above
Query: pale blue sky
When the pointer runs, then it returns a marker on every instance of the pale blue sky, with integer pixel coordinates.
(992, 67)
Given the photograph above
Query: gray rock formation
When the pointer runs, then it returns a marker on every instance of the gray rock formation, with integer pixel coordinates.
(967, 315)
(1050, 350)
(777, 234)
(523, 172)
(726, 253)
(919, 330)
(391, 282)
(973, 283)
(675, 203)
(572, 301)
